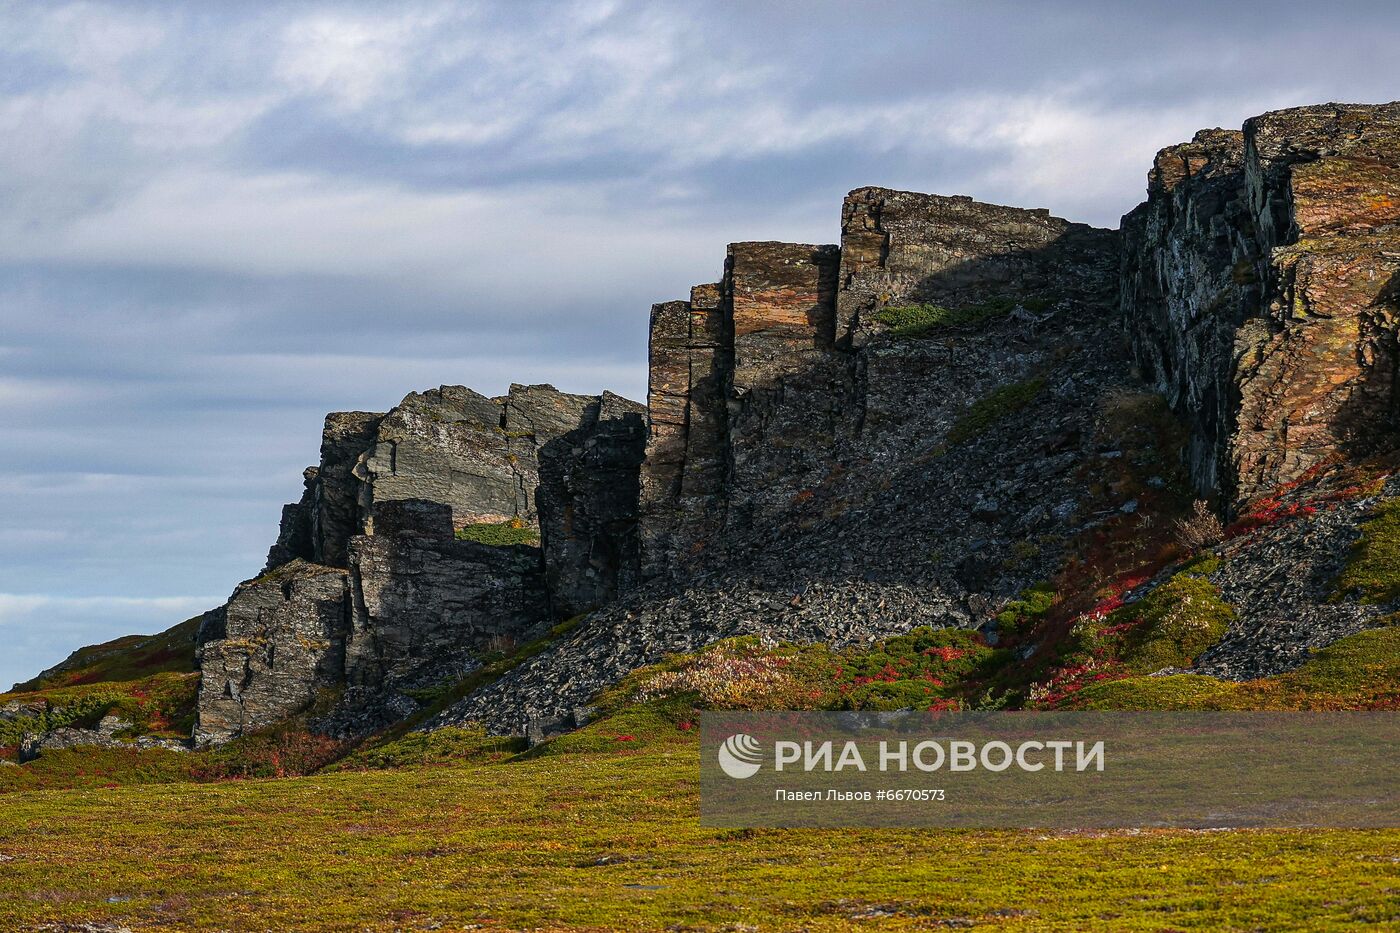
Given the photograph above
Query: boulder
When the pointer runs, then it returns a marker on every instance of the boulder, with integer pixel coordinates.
(59, 739)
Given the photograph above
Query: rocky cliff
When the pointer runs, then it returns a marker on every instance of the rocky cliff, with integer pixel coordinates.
(1258, 288)
(820, 469)
(842, 442)
(414, 551)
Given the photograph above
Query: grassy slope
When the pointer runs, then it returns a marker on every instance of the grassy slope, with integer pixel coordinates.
(131, 657)
(610, 840)
(148, 680)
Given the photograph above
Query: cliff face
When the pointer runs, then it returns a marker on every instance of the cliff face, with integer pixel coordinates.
(763, 383)
(588, 504)
(744, 397)
(477, 455)
(816, 472)
(370, 593)
(1258, 289)
(843, 442)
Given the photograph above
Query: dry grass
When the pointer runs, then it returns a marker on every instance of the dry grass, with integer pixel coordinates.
(1201, 529)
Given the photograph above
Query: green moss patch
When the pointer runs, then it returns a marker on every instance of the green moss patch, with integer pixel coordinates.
(986, 412)
(923, 320)
(1361, 671)
(1373, 572)
(499, 534)
(1174, 692)
(1174, 623)
(1169, 627)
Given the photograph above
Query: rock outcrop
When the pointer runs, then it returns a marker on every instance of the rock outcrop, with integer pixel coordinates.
(812, 477)
(425, 603)
(280, 642)
(477, 455)
(588, 499)
(67, 737)
(763, 385)
(347, 438)
(370, 594)
(744, 397)
(1259, 289)
(842, 442)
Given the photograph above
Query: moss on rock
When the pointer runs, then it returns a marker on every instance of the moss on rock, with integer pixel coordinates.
(1179, 620)
(1373, 572)
(999, 404)
(499, 534)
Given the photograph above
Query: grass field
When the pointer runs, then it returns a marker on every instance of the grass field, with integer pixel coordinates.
(611, 840)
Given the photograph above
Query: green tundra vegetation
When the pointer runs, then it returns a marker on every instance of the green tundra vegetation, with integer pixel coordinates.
(927, 319)
(1373, 573)
(499, 534)
(598, 828)
(606, 836)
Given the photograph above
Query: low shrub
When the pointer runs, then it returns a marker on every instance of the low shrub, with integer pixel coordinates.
(163, 704)
(925, 669)
(1020, 614)
(737, 674)
(283, 751)
(58, 769)
(1201, 529)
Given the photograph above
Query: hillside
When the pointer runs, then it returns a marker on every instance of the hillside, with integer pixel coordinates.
(970, 457)
(958, 410)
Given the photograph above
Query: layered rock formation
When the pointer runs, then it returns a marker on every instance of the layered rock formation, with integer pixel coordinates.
(370, 594)
(1259, 289)
(899, 248)
(425, 602)
(744, 397)
(279, 640)
(809, 467)
(477, 455)
(762, 385)
(811, 476)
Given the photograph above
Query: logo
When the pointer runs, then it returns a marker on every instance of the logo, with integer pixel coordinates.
(740, 756)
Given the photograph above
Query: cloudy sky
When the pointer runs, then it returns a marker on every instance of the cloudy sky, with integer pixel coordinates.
(219, 221)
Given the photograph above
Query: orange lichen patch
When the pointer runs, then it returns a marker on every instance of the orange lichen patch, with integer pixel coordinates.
(1341, 192)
